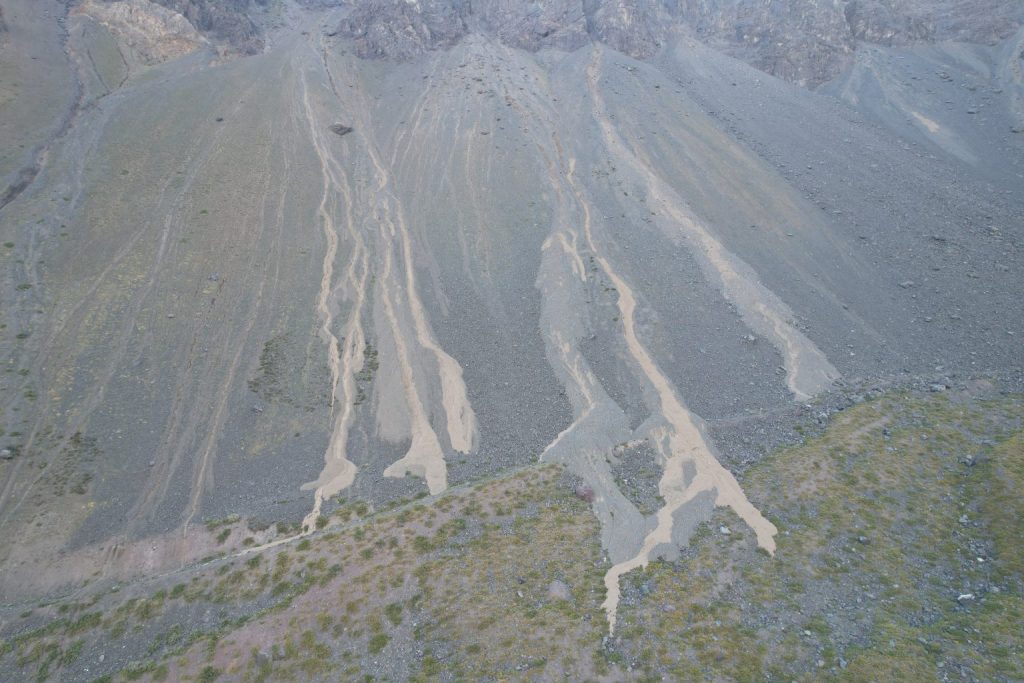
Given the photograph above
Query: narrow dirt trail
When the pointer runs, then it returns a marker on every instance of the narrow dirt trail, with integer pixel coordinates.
(235, 345)
(168, 209)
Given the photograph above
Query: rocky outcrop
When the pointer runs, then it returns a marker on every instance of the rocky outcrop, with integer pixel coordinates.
(805, 41)
(973, 21)
(401, 30)
(226, 22)
(155, 34)
(636, 27)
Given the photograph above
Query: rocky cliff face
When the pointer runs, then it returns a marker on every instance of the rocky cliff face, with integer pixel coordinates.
(397, 29)
(225, 21)
(532, 26)
(401, 30)
(152, 32)
(805, 41)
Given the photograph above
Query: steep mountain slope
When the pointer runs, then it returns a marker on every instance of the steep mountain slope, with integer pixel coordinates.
(224, 20)
(807, 41)
(966, 101)
(37, 90)
(898, 559)
(241, 287)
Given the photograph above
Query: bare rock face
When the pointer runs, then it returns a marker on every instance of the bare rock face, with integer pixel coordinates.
(804, 41)
(872, 21)
(223, 21)
(152, 32)
(973, 21)
(635, 27)
(810, 41)
(402, 30)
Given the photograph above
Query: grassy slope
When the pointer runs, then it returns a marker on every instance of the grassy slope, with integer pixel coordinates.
(882, 523)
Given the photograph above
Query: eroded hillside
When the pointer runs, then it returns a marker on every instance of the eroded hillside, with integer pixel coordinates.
(354, 255)
(897, 558)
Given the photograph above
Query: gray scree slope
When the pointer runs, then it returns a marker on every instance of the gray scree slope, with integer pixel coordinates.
(259, 255)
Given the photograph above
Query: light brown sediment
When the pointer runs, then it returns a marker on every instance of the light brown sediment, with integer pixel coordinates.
(681, 441)
(461, 420)
(891, 95)
(926, 122)
(570, 250)
(599, 423)
(425, 458)
(808, 371)
(584, 445)
(338, 472)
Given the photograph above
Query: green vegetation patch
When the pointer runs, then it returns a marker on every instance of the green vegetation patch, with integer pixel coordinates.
(899, 558)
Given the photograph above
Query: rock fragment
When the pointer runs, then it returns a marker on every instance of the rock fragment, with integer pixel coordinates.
(585, 493)
(558, 590)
